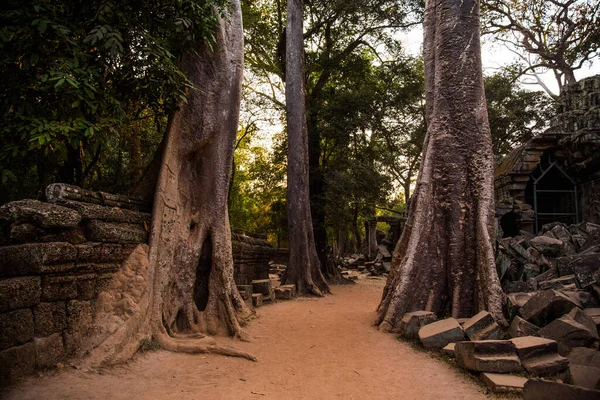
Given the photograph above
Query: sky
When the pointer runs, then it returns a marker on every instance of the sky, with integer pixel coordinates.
(495, 56)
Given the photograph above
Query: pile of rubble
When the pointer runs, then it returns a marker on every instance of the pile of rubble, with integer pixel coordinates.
(267, 290)
(356, 266)
(561, 257)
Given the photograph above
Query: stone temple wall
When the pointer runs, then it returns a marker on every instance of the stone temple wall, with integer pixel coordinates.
(74, 268)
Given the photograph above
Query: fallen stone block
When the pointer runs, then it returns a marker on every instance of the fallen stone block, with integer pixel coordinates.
(257, 299)
(413, 321)
(538, 389)
(585, 320)
(449, 350)
(519, 328)
(292, 287)
(438, 334)
(514, 301)
(568, 333)
(584, 376)
(544, 307)
(540, 356)
(488, 356)
(482, 327)
(585, 267)
(558, 283)
(262, 286)
(594, 314)
(548, 246)
(584, 356)
(503, 383)
(282, 293)
(38, 213)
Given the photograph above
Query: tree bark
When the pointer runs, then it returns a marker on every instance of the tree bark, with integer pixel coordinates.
(304, 268)
(191, 290)
(444, 261)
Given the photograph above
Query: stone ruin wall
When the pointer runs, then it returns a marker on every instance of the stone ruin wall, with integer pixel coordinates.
(74, 268)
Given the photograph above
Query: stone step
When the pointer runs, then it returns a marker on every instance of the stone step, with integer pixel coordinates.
(488, 356)
(262, 286)
(503, 383)
(540, 356)
(438, 334)
(482, 327)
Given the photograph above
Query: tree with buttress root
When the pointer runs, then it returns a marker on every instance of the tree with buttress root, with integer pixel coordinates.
(444, 261)
(191, 291)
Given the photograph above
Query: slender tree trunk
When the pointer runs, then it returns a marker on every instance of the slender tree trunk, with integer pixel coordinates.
(191, 291)
(304, 268)
(444, 261)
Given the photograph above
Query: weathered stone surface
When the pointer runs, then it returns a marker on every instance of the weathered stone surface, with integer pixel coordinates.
(257, 299)
(262, 286)
(514, 301)
(108, 214)
(548, 246)
(412, 322)
(586, 299)
(80, 316)
(19, 293)
(488, 356)
(584, 356)
(584, 319)
(49, 318)
(544, 307)
(519, 328)
(16, 362)
(56, 288)
(537, 389)
(283, 293)
(22, 233)
(49, 351)
(292, 287)
(482, 327)
(28, 259)
(540, 356)
(16, 327)
(585, 267)
(449, 350)
(38, 213)
(558, 283)
(503, 383)
(568, 333)
(584, 376)
(92, 252)
(99, 231)
(438, 334)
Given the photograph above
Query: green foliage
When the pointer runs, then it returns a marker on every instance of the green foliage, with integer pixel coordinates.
(515, 115)
(75, 75)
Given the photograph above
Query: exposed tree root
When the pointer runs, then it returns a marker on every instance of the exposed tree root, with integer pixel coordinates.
(201, 345)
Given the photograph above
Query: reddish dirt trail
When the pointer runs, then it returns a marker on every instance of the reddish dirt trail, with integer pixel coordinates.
(307, 349)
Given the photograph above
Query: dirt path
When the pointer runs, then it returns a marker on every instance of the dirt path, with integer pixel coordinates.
(307, 349)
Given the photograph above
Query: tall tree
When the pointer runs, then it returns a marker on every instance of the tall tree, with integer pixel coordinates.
(191, 291)
(304, 268)
(557, 35)
(444, 261)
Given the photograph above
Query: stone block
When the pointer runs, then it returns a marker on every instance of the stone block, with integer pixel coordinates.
(503, 383)
(482, 327)
(90, 211)
(257, 299)
(99, 231)
(548, 246)
(585, 267)
(539, 356)
(413, 321)
(28, 259)
(282, 293)
(86, 288)
(80, 317)
(56, 288)
(538, 389)
(94, 252)
(262, 286)
(16, 328)
(19, 293)
(245, 288)
(16, 362)
(488, 356)
(519, 328)
(449, 350)
(292, 287)
(558, 283)
(585, 320)
(584, 376)
(38, 213)
(514, 301)
(568, 333)
(49, 318)
(49, 351)
(544, 307)
(438, 334)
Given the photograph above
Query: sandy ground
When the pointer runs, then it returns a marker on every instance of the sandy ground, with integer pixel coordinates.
(307, 349)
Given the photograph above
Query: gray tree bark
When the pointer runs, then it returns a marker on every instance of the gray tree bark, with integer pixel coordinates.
(444, 261)
(304, 268)
(191, 290)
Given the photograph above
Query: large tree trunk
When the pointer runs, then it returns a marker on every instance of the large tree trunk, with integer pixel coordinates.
(304, 268)
(444, 261)
(191, 291)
